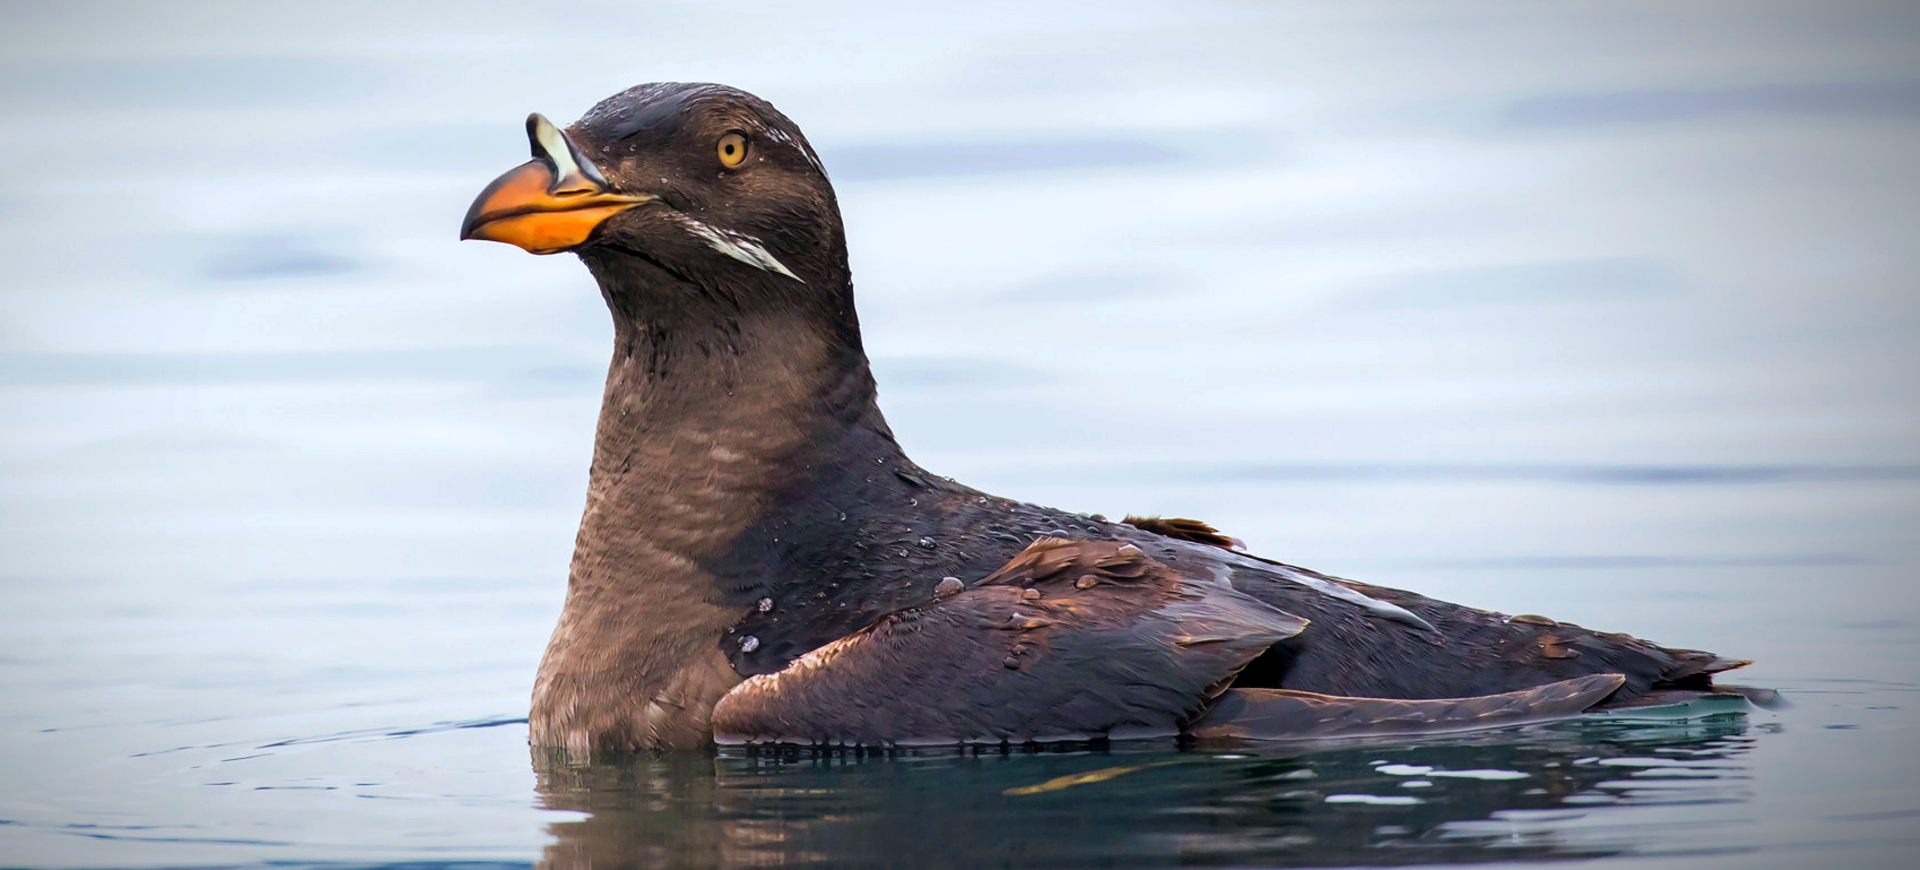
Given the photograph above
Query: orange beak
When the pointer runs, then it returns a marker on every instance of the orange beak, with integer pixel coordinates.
(549, 204)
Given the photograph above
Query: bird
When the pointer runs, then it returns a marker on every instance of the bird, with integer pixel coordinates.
(759, 561)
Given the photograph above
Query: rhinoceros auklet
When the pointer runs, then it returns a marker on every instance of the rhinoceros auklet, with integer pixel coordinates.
(759, 561)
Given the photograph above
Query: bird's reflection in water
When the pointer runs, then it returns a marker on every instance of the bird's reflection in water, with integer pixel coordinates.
(1518, 794)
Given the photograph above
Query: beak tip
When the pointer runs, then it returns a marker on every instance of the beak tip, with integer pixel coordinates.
(470, 225)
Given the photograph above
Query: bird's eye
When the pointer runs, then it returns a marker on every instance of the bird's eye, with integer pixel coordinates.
(733, 150)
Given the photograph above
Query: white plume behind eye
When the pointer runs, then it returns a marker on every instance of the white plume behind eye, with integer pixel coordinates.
(781, 136)
(739, 246)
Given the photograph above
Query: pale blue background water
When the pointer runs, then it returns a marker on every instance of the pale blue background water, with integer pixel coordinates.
(1600, 310)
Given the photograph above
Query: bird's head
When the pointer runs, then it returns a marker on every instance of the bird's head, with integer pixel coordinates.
(669, 190)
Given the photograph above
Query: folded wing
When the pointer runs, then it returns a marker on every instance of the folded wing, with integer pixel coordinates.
(1070, 641)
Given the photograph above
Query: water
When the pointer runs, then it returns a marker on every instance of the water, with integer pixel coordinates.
(1602, 311)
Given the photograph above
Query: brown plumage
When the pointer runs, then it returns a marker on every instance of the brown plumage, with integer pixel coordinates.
(1279, 714)
(1069, 641)
(750, 517)
(1183, 529)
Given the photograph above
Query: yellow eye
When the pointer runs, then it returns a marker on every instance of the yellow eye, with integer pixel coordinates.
(733, 150)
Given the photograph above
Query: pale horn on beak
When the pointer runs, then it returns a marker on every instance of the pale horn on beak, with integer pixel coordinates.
(549, 204)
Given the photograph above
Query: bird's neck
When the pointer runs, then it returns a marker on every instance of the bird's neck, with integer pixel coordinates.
(721, 393)
(699, 427)
(705, 430)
